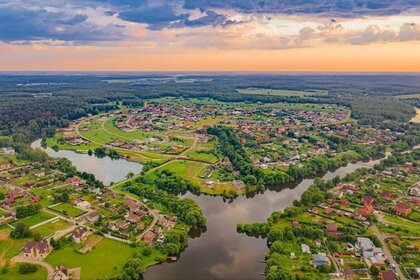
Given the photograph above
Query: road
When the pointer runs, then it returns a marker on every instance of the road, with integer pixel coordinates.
(387, 252)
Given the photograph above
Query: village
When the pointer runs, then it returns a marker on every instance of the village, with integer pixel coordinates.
(62, 210)
(172, 134)
(368, 228)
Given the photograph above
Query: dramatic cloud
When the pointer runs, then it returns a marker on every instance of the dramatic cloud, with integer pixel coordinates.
(21, 24)
(342, 8)
(269, 24)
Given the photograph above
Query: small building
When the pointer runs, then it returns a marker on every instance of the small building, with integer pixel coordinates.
(332, 229)
(305, 248)
(39, 173)
(80, 236)
(8, 151)
(35, 249)
(320, 259)
(386, 275)
(93, 217)
(401, 209)
(83, 204)
(74, 181)
(148, 237)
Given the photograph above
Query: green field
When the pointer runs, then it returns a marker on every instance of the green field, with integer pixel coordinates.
(203, 156)
(35, 219)
(51, 227)
(281, 92)
(68, 209)
(410, 96)
(106, 259)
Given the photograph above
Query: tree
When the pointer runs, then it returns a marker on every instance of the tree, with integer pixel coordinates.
(26, 268)
(21, 231)
(130, 175)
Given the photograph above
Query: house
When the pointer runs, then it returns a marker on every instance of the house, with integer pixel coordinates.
(82, 204)
(80, 236)
(401, 209)
(305, 248)
(367, 247)
(414, 190)
(35, 199)
(367, 199)
(295, 224)
(74, 181)
(320, 259)
(386, 195)
(386, 275)
(8, 151)
(36, 249)
(120, 224)
(148, 237)
(93, 217)
(132, 218)
(5, 165)
(62, 273)
(377, 260)
(39, 173)
(332, 229)
(14, 194)
(349, 274)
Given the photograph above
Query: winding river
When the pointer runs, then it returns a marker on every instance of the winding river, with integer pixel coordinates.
(218, 252)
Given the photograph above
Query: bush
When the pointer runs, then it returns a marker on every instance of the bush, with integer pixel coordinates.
(27, 268)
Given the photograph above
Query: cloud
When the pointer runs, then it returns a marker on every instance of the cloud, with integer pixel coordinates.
(342, 8)
(20, 25)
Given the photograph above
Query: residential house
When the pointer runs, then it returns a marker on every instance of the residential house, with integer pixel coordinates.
(320, 259)
(8, 151)
(414, 190)
(367, 247)
(74, 181)
(93, 217)
(305, 248)
(332, 229)
(148, 237)
(82, 204)
(386, 275)
(80, 236)
(401, 209)
(37, 249)
(5, 165)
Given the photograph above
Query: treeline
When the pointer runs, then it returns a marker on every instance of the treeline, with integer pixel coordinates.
(187, 210)
(24, 151)
(168, 181)
(64, 165)
(27, 210)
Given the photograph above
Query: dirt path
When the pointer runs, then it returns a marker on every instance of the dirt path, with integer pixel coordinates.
(22, 259)
(89, 246)
(387, 252)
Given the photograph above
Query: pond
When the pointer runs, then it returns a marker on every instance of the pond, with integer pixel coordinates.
(105, 169)
(218, 252)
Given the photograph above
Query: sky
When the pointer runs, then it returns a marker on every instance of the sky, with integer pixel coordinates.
(210, 35)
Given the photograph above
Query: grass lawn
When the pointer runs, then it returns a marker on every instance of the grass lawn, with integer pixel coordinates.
(203, 156)
(13, 273)
(9, 247)
(131, 135)
(35, 219)
(51, 227)
(68, 209)
(106, 259)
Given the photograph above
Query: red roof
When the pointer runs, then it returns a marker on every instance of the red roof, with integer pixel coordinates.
(386, 275)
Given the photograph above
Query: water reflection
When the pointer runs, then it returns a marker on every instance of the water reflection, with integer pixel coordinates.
(105, 169)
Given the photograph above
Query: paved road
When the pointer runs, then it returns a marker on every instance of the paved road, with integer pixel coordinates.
(22, 259)
(387, 252)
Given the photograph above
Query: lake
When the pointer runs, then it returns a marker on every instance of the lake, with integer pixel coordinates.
(105, 169)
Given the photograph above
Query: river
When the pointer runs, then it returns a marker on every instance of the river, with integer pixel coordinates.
(219, 252)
